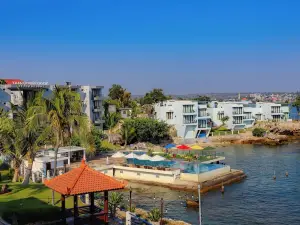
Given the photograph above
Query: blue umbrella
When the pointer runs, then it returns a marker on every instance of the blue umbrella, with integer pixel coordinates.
(168, 146)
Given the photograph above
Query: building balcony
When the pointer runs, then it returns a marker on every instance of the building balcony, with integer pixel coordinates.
(189, 112)
(276, 112)
(190, 122)
(237, 113)
(237, 122)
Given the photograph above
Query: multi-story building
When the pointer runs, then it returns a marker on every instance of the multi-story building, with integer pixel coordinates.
(194, 119)
(233, 110)
(189, 118)
(244, 114)
(91, 96)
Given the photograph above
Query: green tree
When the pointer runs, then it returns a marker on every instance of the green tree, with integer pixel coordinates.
(297, 103)
(10, 140)
(202, 98)
(154, 96)
(128, 133)
(148, 130)
(258, 132)
(63, 113)
(116, 92)
(111, 121)
(154, 215)
(224, 120)
(19, 139)
(115, 199)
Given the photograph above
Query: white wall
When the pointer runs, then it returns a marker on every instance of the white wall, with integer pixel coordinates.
(204, 176)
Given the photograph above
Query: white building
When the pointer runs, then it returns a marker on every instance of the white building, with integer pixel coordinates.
(92, 101)
(244, 114)
(194, 119)
(189, 118)
(91, 96)
(43, 164)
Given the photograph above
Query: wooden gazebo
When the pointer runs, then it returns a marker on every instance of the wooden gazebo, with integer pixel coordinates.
(84, 180)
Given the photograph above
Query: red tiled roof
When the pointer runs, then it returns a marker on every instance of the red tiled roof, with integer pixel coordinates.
(83, 180)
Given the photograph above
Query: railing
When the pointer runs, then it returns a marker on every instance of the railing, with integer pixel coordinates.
(237, 122)
(189, 111)
(190, 122)
(237, 113)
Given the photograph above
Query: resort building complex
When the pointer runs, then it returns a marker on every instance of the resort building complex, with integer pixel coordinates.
(190, 118)
(194, 119)
(18, 92)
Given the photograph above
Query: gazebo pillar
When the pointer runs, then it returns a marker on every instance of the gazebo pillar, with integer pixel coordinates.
(106, 207)
(92, 205)
(75, 206)
(63, 203)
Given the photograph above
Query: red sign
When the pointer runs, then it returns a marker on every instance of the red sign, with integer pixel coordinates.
(10, 81)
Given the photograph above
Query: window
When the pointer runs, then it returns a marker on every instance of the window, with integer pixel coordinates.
(121, 171)
(169, 115)
(105, 171)
(138, 174)
(220, 116)
(188, 109)
(157, 176)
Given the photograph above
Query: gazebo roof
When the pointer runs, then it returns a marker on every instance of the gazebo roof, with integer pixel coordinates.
(83, 180)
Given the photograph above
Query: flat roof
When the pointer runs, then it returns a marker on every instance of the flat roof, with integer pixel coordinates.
(45, 159)
(70, 149)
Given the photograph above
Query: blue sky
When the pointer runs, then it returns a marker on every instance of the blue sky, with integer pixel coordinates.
(180, 46)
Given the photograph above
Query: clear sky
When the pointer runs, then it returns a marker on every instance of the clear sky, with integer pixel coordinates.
(188, 46)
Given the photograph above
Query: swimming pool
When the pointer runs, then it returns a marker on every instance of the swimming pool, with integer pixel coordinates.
(185, 167)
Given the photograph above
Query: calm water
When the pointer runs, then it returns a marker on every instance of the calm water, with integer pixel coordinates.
(257, 200)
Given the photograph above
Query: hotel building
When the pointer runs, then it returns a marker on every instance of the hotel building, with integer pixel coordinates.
(18, 92)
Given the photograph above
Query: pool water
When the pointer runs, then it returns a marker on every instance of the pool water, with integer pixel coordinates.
(185, 167)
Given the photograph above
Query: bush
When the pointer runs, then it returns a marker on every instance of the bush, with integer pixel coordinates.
(147, 130)
(258, 132)
(154, 215)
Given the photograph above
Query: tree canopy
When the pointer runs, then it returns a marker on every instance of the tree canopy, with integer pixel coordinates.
(144, 130)
(202, 98)
(154, 96)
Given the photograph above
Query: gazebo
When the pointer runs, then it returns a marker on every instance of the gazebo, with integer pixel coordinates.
(81, 181)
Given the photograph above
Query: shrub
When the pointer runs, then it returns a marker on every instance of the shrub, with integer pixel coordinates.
(154, 215)
(147, 130)
(258, 132)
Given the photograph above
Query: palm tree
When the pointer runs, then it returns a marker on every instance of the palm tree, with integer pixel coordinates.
(111, 121)
(127, 132)
(224, 120)
(19, 140)
(115, 199)
(9, 145)
(63, 112)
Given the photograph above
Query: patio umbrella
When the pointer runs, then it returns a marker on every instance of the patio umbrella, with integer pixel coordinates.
(197, 147)
(168, 146)
(118, 155)
(144, 157)
(183, 147)
(157, 158)
(131, 156)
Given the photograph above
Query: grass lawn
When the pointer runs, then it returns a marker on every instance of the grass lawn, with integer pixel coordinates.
(30, 203)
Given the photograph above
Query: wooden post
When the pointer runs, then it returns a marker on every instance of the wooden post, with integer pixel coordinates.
(161, 211)
(106, 207)
(130, 192)
(75, 206)
(92, 206)
(63, 203)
